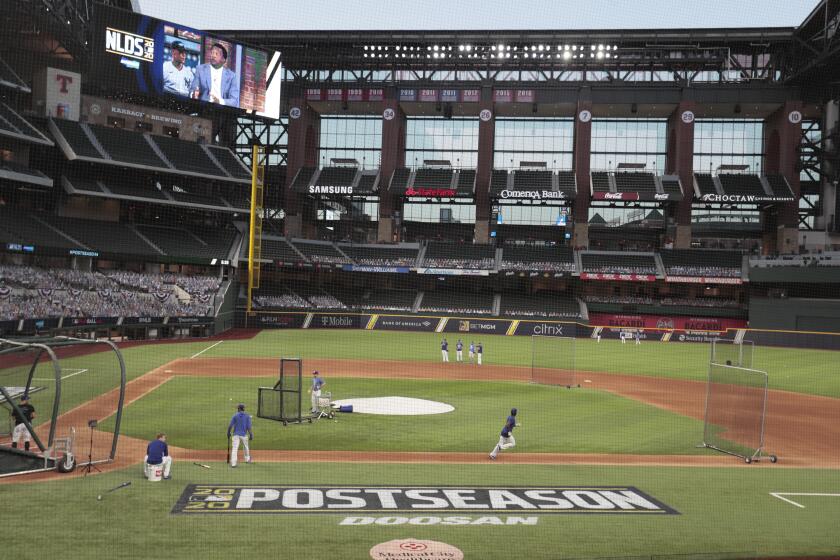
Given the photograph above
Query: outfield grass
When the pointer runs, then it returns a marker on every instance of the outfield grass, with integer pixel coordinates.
(721, 511)
(195, 413)
(804, 371)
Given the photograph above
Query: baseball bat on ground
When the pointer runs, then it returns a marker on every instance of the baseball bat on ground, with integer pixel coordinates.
(123, 485)
(202, 465)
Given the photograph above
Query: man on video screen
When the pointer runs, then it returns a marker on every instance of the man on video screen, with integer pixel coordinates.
(215, 83)
(177, 76)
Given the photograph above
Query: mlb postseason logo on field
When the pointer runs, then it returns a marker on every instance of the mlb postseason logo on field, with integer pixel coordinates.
(282, 499)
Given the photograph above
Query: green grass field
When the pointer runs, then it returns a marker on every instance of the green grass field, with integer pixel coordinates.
(723, 512)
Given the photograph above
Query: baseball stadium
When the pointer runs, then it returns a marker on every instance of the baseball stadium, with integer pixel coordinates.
(418, 293)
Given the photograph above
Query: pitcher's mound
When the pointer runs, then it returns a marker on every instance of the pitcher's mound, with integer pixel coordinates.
(398, 406)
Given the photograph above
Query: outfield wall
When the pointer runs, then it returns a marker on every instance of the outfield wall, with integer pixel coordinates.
(510, 327)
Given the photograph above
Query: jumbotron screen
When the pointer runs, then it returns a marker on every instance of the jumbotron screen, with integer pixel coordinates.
(140, 53)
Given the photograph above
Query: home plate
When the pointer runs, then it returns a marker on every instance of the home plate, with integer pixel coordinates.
(587, 381)
(396, 406)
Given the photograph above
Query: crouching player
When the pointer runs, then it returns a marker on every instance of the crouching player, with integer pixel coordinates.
(157, 454)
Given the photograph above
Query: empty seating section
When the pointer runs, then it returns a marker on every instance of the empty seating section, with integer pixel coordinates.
(275, 249)
(192, 243)
(462, 303)
(386, 300)
(197, 198)
(75, 136)
(566, 182)
(86, 185)
(339, 176)
(399, 180)
(19, 227)
(324, 253)
(380, 256)
(779, 186)
(531, 180)
(636, 181)
(9, 78)
(238, 198)
(366, 183)
(617, 263)
(600, 181)
(498, 181)
(433, 178)
(301, 181)
(548, 306)
(705, 183)
(11, 121)
(21, 169)
(230, 162)
(697, 262)
(110, 237)
(140, 191)
(560, 259)
(451, 255)
(741, 183)
(671, 185)
(466, 182)
(187, 156)
(127, 147)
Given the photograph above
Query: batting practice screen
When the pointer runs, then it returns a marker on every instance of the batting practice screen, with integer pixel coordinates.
(729, 353)
(736, 401)
(553, 360)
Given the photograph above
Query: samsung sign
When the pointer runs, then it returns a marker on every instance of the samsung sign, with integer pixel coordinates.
(330, 189)
(275, 499)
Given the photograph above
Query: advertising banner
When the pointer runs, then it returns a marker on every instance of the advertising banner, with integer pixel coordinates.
(327, 321)
(666, 322)
(406, 323)
(477, 326)
(624, 277)
(702, 280)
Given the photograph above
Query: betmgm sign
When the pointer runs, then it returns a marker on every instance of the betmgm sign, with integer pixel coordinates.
(234, 499)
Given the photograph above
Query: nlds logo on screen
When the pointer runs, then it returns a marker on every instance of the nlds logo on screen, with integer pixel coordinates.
(129, 44)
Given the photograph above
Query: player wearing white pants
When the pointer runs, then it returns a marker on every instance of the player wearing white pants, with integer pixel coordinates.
(506, 440)
(479, 350)
(21, 432)
(157, 455)
(240, 425)
(459, 351)
(444, 350)
(315, 390)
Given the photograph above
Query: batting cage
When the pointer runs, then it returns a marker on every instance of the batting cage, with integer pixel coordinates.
(553, 360)
(732, 353)
(62, 398)
(736, 406)
(283, 402)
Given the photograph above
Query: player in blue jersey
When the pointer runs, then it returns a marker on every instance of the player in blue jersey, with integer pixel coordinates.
(315, 390)
(240, 425)
(459, 351)
(472, 351)
(157, 453)
(444, 350)
(506, 440)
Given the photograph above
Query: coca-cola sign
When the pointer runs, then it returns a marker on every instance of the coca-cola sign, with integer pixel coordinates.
(615, 196)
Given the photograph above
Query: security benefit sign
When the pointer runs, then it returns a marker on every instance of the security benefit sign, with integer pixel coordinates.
(276, 499)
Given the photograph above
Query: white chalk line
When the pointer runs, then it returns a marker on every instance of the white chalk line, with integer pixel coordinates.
(63, 377)
(206, 349)
(781, 495)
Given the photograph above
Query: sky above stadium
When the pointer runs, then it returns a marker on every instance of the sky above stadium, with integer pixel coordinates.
(476, 14)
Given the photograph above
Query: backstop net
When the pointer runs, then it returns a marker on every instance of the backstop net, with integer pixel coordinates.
(283, 402)
(553, 360)
(731, 353)
(736, 403)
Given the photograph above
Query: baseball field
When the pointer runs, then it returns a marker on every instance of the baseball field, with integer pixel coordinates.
(609, 469)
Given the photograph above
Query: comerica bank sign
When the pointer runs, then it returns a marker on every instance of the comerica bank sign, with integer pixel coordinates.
(533, 195)
(277, 499)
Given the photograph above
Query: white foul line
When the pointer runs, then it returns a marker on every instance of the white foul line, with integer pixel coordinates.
(206, 349)
(780, 494)
(62, 378)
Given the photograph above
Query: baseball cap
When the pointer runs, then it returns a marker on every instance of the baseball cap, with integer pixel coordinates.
(178, 46)
(513, 412)
(24, 397)
(241, 406)
(315, 372)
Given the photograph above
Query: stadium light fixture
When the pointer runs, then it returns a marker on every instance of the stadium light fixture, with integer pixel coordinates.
(501, 47)
(468, 47)
(460, 48)
(566, 55)
(435, 48)
(600, 55)
(607, 55)
(600, 47)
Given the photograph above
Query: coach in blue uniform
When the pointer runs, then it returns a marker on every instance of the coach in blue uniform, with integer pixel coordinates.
(506, 440)
(459, 351)
(472, 351)
(240, 424)
(315, 390)
(444, 350)
(157, 453)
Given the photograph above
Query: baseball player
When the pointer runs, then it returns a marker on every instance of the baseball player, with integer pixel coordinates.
(506, 440)
(479, 350)
(240, 424)
(638, 338)
(27, 412)
(444, 350)
(459, 351)
(472, 351)
(157, 453)
(315, 390)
